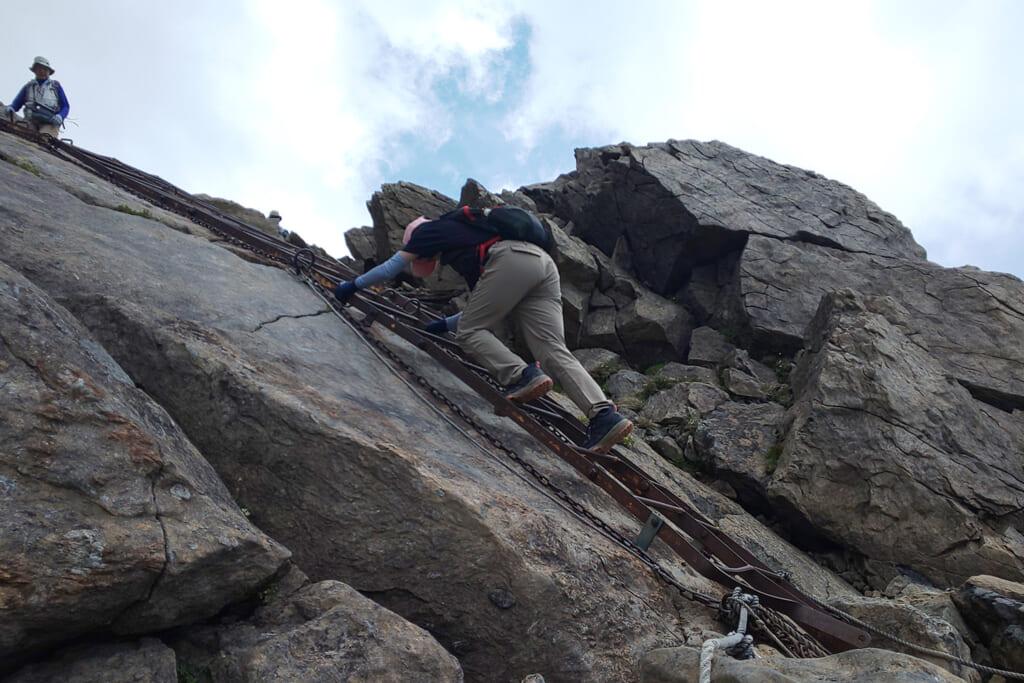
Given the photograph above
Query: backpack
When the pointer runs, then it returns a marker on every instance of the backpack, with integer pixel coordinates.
(507, 222)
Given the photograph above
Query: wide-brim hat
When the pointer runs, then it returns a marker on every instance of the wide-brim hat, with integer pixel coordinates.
(45, 62)
(419, 267)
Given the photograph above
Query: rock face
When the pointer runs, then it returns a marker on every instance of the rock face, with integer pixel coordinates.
(112, 519)
(335, 458)
(175, 416)
(994, 609)
(922, 444)
(321, 632)
(146, 660)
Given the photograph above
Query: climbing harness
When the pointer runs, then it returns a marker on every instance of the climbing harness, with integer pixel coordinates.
(797, 624)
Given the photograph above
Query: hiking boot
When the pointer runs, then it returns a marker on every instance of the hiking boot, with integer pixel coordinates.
(606, 429)
(533, 383)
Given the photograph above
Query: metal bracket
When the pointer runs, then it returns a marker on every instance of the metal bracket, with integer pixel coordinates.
(650, 530)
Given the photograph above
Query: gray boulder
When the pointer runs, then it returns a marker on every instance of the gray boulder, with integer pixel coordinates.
(886, 453)
(909, 624)
(112, 520)
(394, 205)
(994, 609)
(362, 246)
(683, 402)
(965, 316)
(321, 632)
(738, 442)
(708, 348)
(683, 203)
(147, 660)
(687, 373)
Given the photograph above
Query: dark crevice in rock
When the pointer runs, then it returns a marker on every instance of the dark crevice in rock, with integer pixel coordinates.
(710, 245)
(787, 521)
(997, 399)
(819, 240)
(420, 612)
(292, 317)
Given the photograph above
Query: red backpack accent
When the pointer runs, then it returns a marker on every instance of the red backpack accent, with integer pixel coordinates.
(482, 251)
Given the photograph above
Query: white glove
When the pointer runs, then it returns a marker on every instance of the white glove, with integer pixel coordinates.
(57, 119)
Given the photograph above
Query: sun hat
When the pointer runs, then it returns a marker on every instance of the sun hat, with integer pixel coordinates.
(45, 62)
(420, 267)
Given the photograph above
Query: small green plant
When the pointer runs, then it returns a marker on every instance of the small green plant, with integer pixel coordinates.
(124, 208)
(781, 394)
(23, 164)
(771, 459)
(605, 370)
(184, 675)
(645, 423)
(654, 368)
(729, 334)
(783, 367)
(268, 594)
(655, 385)
(692, 422)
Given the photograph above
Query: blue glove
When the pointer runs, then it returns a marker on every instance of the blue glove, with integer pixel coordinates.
(8, 112)
(344, 291)
(57, 119)
(437, 327)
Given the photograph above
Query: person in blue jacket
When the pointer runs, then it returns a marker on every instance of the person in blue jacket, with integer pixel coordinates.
(46, 106)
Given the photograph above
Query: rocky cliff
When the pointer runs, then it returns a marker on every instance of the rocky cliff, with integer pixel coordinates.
(206, 474)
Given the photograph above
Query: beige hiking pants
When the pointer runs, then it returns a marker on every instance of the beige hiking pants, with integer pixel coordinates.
(521, 280)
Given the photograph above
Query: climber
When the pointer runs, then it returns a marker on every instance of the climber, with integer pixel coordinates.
(506, 278)
(46, 105)
(275, 217)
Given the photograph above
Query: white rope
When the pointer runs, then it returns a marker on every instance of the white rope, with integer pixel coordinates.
(707, 652)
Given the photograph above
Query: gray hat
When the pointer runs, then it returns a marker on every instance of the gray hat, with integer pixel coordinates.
(45, 62)
(274, 214)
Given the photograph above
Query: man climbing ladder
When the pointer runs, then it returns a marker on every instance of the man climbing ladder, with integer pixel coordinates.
(506, 277)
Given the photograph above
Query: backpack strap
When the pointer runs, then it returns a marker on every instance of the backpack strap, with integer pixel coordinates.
(482, 251)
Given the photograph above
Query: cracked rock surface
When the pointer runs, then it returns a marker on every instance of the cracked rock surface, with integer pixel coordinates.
(112, 519)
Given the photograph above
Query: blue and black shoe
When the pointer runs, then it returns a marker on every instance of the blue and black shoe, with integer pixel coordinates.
(533, 383)
(606, 429)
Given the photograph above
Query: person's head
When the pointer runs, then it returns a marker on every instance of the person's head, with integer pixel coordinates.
(41, 68)
(274, 216)
(420, 267)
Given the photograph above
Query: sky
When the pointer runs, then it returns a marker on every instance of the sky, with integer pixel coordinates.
(309, 106)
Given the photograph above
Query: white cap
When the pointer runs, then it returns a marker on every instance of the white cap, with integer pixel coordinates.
(44, 61)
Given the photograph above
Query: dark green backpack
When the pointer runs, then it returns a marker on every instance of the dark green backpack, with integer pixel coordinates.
(507, 222)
